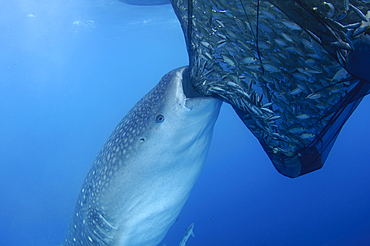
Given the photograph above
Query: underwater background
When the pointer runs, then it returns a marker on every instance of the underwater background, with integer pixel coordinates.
(69, 72)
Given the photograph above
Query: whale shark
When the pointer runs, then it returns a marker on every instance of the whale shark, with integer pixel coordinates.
(143, 175)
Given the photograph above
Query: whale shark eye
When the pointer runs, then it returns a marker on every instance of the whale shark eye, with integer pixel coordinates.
(159, 118)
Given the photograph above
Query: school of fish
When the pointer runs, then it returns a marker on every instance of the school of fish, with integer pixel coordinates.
(289, 85)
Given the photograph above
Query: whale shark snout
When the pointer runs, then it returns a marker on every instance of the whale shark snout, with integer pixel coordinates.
(143, 175)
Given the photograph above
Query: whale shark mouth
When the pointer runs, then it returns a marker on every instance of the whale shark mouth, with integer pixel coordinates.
(293, 70)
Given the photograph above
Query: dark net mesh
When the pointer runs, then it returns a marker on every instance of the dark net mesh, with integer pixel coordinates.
(294, 71)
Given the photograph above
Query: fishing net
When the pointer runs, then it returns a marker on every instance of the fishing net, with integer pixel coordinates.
(294, 71)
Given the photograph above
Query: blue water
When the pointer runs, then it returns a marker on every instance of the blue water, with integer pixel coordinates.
(70, 70)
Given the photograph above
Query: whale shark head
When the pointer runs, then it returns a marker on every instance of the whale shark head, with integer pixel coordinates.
(142, 176)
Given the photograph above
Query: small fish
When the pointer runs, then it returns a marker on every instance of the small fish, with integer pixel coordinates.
(291, 25)
(307, 135)
(322, 105)
(348, 37)
(360, 30)
(188, 232)
(296, 130)
(343, 45)
(300, 76)
(352, 25)
(220, 23)
(206, 44)
(216, 89)
(310, 62)
(314, 96)
(244, 93)
(341, 74)
(271, 68)
(208, 72)
(253, 67)
(310, 71)
(240, 24)
(228, 61)
(287, 37)
(208, 55)
(267, 110)
(234, 85)
(221, 43)
(267, 105)
(249, 60)
(231, 34)
(314, 36)
(221, 35)
(340, 15)
(296, 91)
(331, 9)
(280, 42)
(359, 13)
(302, 116)
(276, 117)
(294, 50)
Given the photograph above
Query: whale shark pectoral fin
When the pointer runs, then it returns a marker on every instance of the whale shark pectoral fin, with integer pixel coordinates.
(99, 227)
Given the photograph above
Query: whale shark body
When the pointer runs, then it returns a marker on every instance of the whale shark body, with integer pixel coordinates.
(142, 176)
